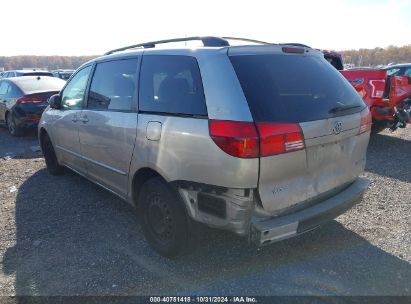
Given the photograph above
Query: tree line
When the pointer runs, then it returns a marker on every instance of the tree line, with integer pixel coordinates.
(361, 57)
(378, 56)
(43, 62)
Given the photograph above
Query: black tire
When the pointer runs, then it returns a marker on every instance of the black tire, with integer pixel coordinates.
(50, 157)
(12, 127)
(164, 220)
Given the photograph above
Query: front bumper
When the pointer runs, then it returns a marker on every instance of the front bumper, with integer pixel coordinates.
(282, 227)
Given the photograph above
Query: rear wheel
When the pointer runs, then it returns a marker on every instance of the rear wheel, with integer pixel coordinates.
(50, 157)
(165, 224)
(13, 128)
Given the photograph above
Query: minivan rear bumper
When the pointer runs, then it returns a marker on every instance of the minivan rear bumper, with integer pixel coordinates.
(264, 232)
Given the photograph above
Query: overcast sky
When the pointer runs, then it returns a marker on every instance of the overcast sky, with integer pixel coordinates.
(86, 27)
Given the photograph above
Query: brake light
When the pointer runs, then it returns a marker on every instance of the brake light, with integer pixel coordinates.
(278, 138)
(378, 87)
(31, 99)
(293, 50)
(366, 121)
(239, 139)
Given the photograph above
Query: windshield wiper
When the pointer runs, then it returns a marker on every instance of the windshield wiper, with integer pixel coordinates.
(343, 108)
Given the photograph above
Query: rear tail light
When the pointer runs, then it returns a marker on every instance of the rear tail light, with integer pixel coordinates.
(31, 100)
(278, 138)
(366, 121)
(378, 87)
(240, 139)
(293, 50)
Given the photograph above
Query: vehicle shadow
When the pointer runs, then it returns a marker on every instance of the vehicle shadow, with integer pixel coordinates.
(390, 157)
(74, 238)
(24, 147)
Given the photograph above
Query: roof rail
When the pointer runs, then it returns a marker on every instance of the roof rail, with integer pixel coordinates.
(246, 40)
(210, 41)
(207, 41)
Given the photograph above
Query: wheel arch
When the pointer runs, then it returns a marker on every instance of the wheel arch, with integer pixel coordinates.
(139, 178)
(42, 133)
(6, 113)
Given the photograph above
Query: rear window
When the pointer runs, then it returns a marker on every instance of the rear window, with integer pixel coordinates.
(293, 88)
(171, 84)
(40, 84)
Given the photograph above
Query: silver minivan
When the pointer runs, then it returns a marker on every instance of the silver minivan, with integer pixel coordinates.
(265, 140)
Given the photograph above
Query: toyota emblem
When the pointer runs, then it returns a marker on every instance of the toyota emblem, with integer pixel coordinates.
(337, 127)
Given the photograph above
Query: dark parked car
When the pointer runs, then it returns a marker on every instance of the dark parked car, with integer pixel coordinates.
(63, 74)
(334, 58)
(23, 100)
(18, 73)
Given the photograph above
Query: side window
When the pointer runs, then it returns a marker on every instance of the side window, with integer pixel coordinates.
(407, 72)
(4, 88)
(73, 94)
(171, 84)
(113, 85)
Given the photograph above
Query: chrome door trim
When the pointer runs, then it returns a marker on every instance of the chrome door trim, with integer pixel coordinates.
(69, 151)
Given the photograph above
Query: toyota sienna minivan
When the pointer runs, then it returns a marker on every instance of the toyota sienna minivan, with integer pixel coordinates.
(265, 140)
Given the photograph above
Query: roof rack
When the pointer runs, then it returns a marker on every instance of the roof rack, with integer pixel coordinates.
(210, 41)
(207, 41)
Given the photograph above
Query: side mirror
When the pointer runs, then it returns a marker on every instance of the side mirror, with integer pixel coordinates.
(55, 101)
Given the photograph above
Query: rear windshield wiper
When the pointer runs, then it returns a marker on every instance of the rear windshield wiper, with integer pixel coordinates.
(343, 108)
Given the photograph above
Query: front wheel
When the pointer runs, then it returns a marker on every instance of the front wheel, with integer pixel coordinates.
(164, 220)
(50, 157)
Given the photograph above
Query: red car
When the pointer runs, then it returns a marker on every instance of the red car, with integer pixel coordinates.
(386, 91)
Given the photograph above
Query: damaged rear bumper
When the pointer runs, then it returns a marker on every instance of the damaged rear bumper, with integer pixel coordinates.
(282, 227)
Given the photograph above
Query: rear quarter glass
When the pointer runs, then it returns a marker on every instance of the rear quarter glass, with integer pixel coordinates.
(171, 84)
(293, 88)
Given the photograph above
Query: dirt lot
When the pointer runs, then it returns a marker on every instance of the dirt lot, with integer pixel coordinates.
(66, 236)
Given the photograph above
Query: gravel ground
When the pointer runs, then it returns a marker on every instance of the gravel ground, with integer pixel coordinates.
(66, 236)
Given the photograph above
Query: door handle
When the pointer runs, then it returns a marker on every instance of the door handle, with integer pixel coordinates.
(84, 119)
